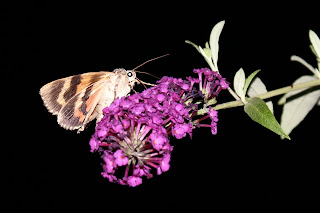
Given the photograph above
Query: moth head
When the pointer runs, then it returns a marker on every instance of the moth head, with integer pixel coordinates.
(131, 74)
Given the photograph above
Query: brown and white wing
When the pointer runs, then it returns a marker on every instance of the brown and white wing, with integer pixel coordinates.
(74, 98)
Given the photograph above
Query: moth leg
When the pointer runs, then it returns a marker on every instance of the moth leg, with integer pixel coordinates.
(80, 129)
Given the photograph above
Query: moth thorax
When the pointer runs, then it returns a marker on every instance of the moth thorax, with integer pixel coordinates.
(120, 71)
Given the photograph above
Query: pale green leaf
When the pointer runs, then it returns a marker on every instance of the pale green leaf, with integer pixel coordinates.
(257, 87)
(298, 104)
(306, 64)
(204, 53)
(193, 44)
(207, 45)
(238, 83)
(302, 79)
(207, 51)
(315, 41)
(214, 42)
(258, 111)
(248, 80)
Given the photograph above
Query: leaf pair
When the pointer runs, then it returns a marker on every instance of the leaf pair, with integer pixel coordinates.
(241, 83)
(211, 50)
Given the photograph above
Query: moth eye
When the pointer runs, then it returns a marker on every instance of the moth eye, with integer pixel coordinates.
(129, 74)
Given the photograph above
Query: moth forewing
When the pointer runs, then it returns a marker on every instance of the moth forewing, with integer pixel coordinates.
(71, 98)
(79, 110)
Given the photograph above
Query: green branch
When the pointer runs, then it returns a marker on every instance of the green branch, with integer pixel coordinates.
(270, 94)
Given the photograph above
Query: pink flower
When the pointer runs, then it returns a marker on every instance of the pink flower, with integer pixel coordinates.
(117, 126)
(213, 114)
(120, 158)
(134, 181)
(144, 171)
(94, 144)
(109, 163)
(214, 127)
(164, 165)
(160, 97)
(126, 104)
(101, 132)
(179, 108)
(110, 177)
(158, 140)
(224, 84)
(125, 123)
(180, 130)
(138, 109)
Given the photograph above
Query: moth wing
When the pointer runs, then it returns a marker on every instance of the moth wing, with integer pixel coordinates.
(57, 93)
(67, 97)
(78, 111)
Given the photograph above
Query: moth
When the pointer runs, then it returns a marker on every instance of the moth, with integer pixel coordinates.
(79, 99)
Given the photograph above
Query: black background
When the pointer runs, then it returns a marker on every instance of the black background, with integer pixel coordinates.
(243, 168)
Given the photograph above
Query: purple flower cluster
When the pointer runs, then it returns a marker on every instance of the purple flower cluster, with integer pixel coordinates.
(133, 135)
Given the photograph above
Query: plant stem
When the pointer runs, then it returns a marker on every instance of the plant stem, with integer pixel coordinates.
(270, 94)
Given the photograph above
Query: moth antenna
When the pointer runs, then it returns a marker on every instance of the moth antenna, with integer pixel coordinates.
(147, 74)
(150, 60)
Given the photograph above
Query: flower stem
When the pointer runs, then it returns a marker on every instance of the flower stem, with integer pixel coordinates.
(269, 94)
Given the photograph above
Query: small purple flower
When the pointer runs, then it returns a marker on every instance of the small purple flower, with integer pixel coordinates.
(213, 127)
(101, 132)
(116, 126)
(94, 144)
(192, 81)
(156, 119)
(120, 158)
(125, 123)
(180, 108)
(180, 130)
(224, 84)
(138, 109)
(134, 181)
(126, 104)
(142, 171)
(158, 140)
(207, 72)
(213, 114)
(164, 165)
(109, 163)
(160, 97)
(185, 86)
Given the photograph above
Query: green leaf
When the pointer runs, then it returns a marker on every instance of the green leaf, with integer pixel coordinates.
(256, 88)
(214, 42)
(258, 111)
(248, 80)
(238, 83)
